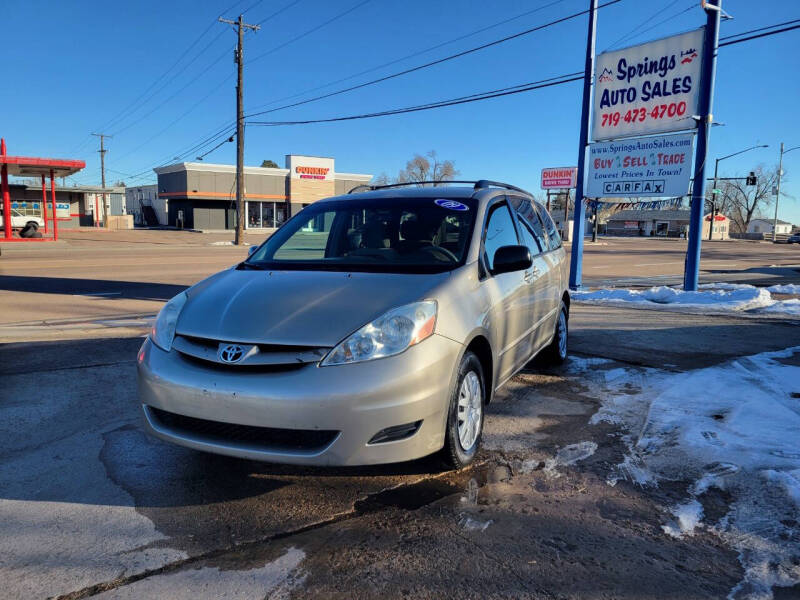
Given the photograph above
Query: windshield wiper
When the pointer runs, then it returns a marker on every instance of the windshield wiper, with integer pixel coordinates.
(244, 265)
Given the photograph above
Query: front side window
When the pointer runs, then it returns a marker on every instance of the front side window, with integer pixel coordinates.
(413, 235)
(529, 239)
(499, 232)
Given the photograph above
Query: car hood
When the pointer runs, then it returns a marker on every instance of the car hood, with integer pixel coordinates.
(303, 308)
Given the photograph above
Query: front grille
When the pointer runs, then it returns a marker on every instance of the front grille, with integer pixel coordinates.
(267, 356)
(308, 441)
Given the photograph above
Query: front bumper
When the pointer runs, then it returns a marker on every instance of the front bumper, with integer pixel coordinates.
(357, 401)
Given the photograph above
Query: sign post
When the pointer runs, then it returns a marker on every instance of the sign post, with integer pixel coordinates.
(691, 273)
(576, 258)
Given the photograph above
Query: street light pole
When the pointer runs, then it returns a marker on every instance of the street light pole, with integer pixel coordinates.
(713, 202)
(714, 189)
(778, 195)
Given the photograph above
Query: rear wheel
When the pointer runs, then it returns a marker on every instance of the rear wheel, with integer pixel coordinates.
(556, 352)
(465, 414)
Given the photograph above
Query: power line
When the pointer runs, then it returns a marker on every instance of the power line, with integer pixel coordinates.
(413, 54)
(312, 30)
(116, 119)
(202, 156)
(674, 16)
(516, 89)
(760, 35)
(435, 62)
(660, 11)
(727, 37)
(279, 11)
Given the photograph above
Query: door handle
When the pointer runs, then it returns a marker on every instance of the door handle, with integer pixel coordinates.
(530, 276)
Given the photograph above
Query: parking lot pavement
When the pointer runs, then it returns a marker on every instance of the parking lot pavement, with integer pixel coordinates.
(90, 506)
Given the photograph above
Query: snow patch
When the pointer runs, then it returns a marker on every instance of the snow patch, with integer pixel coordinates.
(687, 517)
(470, 524)
(569, 455)
(732, 426)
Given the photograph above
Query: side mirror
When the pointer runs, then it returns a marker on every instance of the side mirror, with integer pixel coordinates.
(511, 258)
(251, 250)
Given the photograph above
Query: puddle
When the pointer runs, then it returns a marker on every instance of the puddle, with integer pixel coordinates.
(427, 491)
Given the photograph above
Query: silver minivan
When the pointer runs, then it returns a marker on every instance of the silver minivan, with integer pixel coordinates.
(372, 327)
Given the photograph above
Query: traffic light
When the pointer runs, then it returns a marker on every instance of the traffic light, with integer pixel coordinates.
(752, 179)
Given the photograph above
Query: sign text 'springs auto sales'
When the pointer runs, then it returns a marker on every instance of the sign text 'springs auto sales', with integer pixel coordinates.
(650, 88)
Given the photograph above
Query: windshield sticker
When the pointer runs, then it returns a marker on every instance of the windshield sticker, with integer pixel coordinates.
(451, 204)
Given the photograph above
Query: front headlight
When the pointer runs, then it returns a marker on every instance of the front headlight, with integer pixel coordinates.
(163, 330)
(389, 334)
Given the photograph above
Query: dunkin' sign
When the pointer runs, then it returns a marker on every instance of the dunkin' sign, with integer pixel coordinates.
(312, 172)
(559, 178)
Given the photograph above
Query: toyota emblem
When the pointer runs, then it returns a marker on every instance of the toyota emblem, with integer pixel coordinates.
(231, 353)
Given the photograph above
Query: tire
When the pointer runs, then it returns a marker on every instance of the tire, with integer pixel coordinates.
(28, 231)
(556, 352)
(467, 404)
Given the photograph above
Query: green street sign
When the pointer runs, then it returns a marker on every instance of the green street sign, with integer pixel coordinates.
(716, 191)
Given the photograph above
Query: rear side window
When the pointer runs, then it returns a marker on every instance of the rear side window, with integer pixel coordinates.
(552, 233)
(499, 232)
(529, 239)
(527, 214)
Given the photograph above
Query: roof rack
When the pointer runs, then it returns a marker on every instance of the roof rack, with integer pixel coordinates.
(477, 185)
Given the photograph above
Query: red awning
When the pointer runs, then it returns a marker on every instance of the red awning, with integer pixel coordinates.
(26, 166)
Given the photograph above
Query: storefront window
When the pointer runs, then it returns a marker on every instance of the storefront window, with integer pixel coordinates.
(265, 214)
(254, 214)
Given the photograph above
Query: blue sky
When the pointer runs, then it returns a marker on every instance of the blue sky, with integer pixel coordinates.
(72, 67)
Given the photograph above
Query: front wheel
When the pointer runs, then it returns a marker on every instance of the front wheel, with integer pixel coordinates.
(465, 414)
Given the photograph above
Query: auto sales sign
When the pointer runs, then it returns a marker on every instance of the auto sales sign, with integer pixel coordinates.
(647, 167)
(647, 89)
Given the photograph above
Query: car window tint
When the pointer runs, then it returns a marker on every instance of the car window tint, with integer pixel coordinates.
(528, 238)
(552, 233)
(309, 241)
(499, 232)
(525, 210)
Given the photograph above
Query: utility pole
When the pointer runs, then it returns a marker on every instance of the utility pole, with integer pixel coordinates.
(102, 152)
(238, 58)
(594, 229)
(778, 190)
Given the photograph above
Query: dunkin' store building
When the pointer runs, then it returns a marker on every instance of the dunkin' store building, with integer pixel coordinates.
(203, 196)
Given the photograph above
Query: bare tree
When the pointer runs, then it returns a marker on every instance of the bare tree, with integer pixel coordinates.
(382, 179)
(427, 168)
(741, 202)
(271, 164)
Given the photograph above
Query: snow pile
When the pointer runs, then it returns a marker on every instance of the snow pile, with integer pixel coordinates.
(710, 297)
(789, 288)
(734, 427)
(733, 299)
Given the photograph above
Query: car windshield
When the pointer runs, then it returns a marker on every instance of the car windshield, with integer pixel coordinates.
(387, 235)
